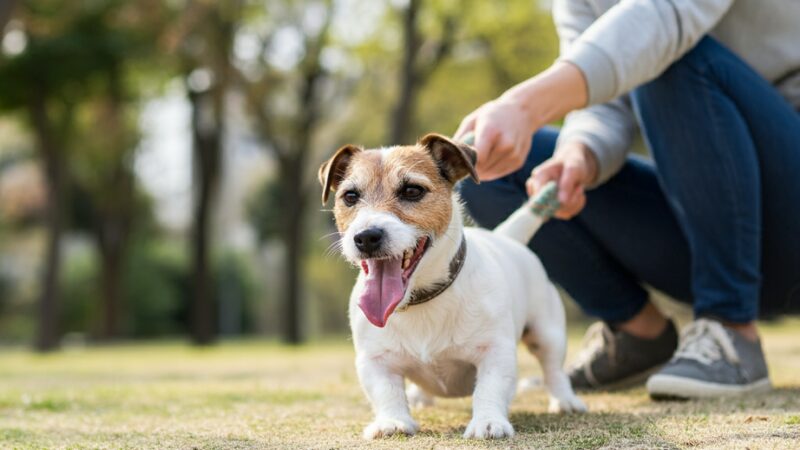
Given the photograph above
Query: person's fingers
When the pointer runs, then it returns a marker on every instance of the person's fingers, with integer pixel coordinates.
(529, 187)
(576, 198)
(486, 139)
(466, 125)
(572, 209)
(540, 176)
(547, 171)
(570, 183)
(501, 160)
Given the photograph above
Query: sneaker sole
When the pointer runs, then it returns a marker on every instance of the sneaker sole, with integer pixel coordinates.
(625, 383)
(671, 387)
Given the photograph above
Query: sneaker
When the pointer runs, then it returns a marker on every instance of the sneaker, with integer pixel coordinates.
(712, 361)
(616, 360)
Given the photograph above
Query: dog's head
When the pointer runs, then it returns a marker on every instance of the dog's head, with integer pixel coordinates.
(391, 205)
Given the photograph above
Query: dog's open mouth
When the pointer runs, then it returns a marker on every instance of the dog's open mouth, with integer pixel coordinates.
(387, 282)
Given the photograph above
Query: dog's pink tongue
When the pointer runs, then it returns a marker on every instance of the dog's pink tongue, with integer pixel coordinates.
(383, 290)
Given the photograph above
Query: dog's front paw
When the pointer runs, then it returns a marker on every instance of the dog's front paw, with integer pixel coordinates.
(386, 426)
(566, 405)
(489, 428)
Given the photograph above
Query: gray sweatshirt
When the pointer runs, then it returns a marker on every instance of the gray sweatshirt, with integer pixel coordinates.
(621, 44)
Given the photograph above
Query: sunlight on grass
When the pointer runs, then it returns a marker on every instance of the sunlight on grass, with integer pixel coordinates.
(255, 394)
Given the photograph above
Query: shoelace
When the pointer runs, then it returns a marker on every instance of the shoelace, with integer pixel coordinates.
(706, 341)
(598, 337)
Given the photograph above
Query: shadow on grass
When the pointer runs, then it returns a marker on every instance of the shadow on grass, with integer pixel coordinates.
(778, 399)
(643, 427)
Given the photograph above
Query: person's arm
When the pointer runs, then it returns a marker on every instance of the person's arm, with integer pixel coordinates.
(629, 44)
(635, 40)
(616, 50)
(505, 126)
(606, 130)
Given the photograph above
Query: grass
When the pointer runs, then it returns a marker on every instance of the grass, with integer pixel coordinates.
(263, 395)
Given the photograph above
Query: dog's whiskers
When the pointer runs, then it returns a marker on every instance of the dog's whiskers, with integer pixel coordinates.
(335, 247)
(339, 233)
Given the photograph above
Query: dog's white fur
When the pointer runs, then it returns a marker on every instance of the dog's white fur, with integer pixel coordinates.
(462, 342)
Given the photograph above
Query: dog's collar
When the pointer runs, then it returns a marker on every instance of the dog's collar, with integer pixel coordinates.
(420, 296)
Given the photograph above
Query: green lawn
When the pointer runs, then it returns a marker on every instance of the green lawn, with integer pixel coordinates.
(262, 395)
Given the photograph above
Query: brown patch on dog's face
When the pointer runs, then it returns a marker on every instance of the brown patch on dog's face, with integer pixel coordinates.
(404, 182)
(413, 183)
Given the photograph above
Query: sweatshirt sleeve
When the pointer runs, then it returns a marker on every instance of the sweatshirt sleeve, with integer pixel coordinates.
(634, 41)
(607, 128)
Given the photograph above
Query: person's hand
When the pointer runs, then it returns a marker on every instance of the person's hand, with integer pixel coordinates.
(504, 127)
(573, 167)
(503, 132)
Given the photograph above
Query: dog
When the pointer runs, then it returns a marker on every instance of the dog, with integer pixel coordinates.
(436, 303)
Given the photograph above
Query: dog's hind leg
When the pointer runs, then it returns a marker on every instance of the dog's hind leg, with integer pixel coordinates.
(546, 338)
(418, 397)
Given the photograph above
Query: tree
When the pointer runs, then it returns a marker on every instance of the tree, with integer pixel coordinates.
(102, 166)
(204, 48)
(421, 57)
(288, 132)
(102, 172)
(68, 79)
(40, 95)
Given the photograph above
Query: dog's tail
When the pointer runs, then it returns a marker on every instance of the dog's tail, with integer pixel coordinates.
(525, 221)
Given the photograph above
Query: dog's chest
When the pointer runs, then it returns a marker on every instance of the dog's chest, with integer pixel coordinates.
(443, 364)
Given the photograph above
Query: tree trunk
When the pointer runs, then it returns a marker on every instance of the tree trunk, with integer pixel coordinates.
(293, 164)
(401, 117)
(112, 274)
(114, 214)
(207, 155)
(47, 337)
(112, 245)
(293, 228)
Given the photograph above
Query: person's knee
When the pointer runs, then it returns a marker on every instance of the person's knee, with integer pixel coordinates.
(705, 53)
(477, 199)
(687, 71)
(542, 146)
(470, 194)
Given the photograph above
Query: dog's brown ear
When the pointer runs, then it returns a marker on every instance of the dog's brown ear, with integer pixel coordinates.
(332, 171)
(455, 159)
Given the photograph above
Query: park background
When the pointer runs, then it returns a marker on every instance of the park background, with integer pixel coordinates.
(166, 273)
(158, 158)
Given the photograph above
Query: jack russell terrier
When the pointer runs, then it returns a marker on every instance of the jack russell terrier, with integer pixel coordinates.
(436, 303)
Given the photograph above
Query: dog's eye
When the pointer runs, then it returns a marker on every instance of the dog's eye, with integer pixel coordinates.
(350, 198)
(412, 192)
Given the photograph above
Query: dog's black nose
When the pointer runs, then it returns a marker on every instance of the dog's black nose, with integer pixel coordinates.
(369, 240)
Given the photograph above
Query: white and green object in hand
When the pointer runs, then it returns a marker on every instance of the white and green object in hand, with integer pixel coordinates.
(525, 221)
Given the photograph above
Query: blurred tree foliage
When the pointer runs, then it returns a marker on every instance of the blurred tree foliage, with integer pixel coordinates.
(495, 45)
(62, 64)
(287, 99)
(203, 45)
(307, 75)
(264, 209)
(78, 81)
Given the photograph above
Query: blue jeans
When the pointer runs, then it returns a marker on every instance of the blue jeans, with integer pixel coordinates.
(714, 222)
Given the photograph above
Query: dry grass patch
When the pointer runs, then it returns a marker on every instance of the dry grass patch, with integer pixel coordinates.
(262, 395)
